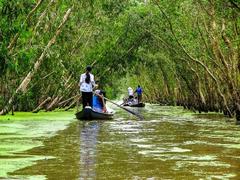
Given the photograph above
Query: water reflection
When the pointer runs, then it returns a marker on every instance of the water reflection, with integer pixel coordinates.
(88, 149)
(168, 144)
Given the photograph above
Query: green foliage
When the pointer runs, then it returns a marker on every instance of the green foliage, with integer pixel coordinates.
(25, 101)
(156, 44)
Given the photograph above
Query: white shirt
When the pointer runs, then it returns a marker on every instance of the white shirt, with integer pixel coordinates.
(85, 87)
(130, 91)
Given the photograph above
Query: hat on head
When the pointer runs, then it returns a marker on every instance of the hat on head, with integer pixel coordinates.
(97, 91)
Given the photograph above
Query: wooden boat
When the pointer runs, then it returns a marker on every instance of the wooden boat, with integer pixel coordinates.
(134, 104)
(89, 114)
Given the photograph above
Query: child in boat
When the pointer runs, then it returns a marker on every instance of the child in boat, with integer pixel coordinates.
(99, 102)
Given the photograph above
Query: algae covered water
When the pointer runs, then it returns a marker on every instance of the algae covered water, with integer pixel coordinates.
(169, 143)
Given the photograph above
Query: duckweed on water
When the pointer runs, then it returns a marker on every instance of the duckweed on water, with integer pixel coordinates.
(23, 132)
(169, 143)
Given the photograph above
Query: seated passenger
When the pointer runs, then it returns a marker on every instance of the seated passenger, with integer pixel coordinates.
(99, 102)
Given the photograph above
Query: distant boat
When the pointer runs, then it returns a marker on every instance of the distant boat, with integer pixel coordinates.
(90, 114)
(134, 104)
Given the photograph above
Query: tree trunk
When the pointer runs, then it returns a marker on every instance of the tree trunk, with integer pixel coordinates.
(23, 86)
(14, 40)
(41, 105)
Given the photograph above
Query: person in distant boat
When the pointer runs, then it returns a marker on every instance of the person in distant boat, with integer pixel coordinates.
(139, 92)
(130, 93)
(99, 102)
(86, 84)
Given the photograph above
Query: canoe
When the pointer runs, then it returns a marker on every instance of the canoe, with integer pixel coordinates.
(89, 114)
(135, 105)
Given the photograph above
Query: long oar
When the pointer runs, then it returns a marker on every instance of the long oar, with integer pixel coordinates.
(134, 113)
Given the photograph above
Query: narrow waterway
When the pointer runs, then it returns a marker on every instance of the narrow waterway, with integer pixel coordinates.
(169, 143)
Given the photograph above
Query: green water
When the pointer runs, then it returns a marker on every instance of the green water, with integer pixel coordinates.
(169, 144)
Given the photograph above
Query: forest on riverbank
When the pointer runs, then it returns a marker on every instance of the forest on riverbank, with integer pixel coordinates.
(183, 52)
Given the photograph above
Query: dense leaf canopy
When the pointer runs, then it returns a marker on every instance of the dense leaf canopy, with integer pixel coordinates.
(183, 52)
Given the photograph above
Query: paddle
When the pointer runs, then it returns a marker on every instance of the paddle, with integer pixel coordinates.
(134, 113)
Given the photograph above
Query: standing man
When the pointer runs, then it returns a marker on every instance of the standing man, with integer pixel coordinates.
(139, 92)
(86, 84)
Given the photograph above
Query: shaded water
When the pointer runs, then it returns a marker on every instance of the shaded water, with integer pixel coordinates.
(169, 144)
